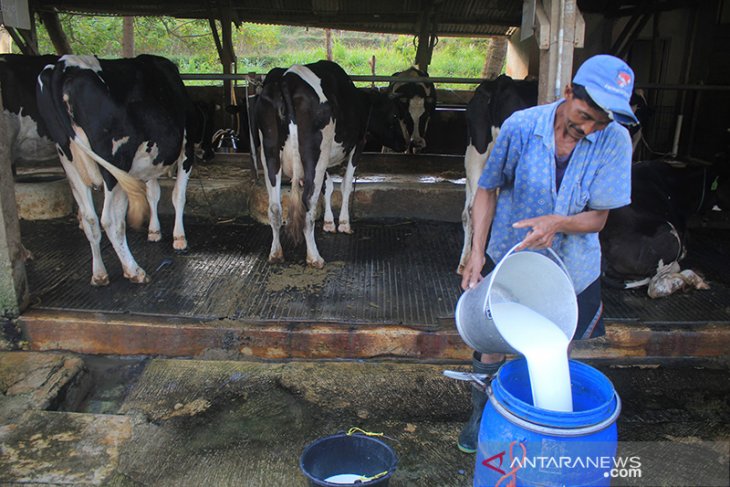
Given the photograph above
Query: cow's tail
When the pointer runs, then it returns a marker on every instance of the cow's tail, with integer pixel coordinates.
(297, 207)
(138, 210)
(297, 212)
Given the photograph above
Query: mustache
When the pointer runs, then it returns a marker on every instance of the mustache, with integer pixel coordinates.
(580, 132)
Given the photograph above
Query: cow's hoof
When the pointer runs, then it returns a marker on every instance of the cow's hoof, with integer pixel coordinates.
(99, 281)
(345, 228)
(317, 264)
(140, 278)
(154, 236)
(276, 258)
(179, 243)
(329, 227)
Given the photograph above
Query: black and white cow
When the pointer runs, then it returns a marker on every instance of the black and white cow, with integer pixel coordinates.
(493, 102)
(309, 118)
(416, 102)
(650, 233)
(119, 121)
(27, 135)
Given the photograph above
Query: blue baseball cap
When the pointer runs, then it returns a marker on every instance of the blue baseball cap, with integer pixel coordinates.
(610, 82)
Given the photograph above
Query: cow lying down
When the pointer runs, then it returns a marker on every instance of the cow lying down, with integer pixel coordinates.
(643, 243)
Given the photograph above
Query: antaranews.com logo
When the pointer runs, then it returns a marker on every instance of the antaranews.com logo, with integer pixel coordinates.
(640, 464)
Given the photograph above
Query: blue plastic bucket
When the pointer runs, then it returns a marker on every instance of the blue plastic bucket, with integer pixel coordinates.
(343, 455)
(521, 443)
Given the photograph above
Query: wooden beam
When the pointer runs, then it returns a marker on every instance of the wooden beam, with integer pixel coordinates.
(55, 32)
(23, 40)
(556, 62)
(128, 37)
(427, 38)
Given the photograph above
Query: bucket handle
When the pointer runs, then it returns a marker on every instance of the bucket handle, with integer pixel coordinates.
(556, 258)
(563, 432)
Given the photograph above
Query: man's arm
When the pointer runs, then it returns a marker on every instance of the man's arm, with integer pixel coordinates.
(543, 228)
(482, 214)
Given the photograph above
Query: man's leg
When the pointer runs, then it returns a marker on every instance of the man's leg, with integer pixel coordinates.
(482, 363)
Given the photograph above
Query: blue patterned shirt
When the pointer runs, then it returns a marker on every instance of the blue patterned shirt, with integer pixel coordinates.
(522, 166)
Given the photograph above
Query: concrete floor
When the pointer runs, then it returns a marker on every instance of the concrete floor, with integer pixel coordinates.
(83, 420)
(69, 419)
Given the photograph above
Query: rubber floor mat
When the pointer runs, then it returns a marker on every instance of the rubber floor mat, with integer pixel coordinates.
(387, 272)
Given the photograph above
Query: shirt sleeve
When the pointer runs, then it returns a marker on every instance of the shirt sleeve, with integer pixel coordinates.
(500, 167)
(611, 187)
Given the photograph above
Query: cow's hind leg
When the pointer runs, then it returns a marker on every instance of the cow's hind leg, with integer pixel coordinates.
(154, 234)
(346, 190)
(329, 217)
(88, 221)
(474, 164)
(113, 220)
(179, 242)
(314, 259)
(276, 219)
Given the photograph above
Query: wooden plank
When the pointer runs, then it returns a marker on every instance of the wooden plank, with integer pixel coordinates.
(98, 333)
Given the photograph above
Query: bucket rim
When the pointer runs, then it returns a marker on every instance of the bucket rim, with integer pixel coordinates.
(391, 469)
(554, 261)
(517, 411)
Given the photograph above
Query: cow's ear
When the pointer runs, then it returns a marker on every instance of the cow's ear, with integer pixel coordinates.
(392, 95)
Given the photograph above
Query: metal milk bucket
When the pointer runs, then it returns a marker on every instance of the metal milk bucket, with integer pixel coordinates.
(528, 278)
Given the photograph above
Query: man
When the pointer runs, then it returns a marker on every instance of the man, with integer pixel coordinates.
(554, 173)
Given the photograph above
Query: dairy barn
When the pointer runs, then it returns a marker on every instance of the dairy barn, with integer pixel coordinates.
(221, 362)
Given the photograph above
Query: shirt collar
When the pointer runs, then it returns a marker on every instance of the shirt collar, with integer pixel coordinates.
(545, 127)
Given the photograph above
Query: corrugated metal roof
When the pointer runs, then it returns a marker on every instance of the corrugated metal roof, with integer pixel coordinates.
(450, 17)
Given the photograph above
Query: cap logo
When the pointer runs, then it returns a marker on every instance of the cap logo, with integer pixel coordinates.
(623, 79)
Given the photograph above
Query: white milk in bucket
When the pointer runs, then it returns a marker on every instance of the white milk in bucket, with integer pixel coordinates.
(545, 347)
(345, 478)
(527, 304)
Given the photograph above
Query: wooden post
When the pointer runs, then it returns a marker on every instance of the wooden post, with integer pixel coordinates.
(328, 43)
(128, 37)
(13, 280)
(56, 33)
(426, 39)
(494, 61)
(228, 56)
(559, 27)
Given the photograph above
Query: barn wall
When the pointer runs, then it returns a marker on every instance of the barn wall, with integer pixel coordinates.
(689, 45)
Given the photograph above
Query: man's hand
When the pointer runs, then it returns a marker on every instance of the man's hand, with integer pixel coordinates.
(473, 270)
(542, 231)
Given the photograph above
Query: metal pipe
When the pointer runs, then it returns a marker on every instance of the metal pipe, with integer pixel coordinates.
(369, 78)
(677, 132)
(561, 36)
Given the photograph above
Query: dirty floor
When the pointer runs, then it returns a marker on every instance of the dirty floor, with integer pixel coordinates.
(80, 420)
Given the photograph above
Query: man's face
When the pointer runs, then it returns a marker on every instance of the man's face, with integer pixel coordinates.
(580, 118)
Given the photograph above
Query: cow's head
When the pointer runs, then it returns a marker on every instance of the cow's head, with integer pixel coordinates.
(416, 103)
(383, 121)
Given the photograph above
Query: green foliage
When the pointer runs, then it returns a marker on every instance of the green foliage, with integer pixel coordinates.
(190, 44)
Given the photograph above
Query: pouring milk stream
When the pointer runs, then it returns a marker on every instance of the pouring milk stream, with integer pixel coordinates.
(545, 348)
(531, 302)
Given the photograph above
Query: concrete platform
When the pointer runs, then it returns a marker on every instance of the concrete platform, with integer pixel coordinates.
(390, 290)
(229, 423)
